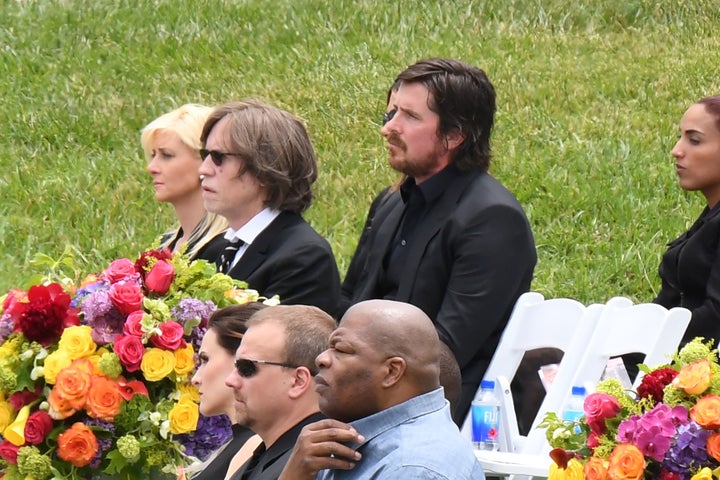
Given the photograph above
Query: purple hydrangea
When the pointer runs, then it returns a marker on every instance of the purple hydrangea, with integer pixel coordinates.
(210, 434)
(104, 443)
(6, 326)
(87, 290)
(689, 451)
(100, 313)
(189, 309)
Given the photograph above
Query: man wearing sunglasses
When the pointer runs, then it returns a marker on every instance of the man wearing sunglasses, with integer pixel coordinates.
(273, 382)
(378, 383)
(257, 171)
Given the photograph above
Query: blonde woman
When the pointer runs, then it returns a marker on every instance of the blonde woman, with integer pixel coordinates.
(171, 144)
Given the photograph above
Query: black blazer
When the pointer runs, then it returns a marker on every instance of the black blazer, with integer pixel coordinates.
(690, 274)
(288, 259)
(273, 460)
(472, 256)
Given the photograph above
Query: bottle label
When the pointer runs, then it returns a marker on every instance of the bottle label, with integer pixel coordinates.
(485, 420)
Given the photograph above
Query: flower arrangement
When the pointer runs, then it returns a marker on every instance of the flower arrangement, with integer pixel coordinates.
(668, 430)
(95, 379)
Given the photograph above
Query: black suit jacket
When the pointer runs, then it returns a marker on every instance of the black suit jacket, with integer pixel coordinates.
(273, 460)
(288, 259)
(690, 274)
(471, 257)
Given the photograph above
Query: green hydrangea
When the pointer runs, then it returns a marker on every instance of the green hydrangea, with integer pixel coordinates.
(159, 456)
(11, 472)
(8, 379)
(129, 447)
(676, 396)
(612, 386)
(605, 447)
(110, 365)
(696, 350)
(130, 411)
(33, 464)
(157, 308)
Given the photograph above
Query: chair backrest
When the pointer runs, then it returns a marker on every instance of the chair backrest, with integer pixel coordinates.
(560, 323)
(622, 328)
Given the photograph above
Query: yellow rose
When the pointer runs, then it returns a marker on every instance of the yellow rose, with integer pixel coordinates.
(7, 414)
(626, 463)
(55, 362)
(184, 360)
(77, 341)
(190, 390)
(574, 471)
(184, 416)
(694, 378)
(703, 474)
(157, 364)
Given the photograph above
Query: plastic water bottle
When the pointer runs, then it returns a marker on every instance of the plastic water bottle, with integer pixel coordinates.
(486, 417)
(574, 408)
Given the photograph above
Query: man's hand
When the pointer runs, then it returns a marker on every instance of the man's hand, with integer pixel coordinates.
(320, 446)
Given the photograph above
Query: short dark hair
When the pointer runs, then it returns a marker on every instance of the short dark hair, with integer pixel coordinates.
(276, 149)
(712, 106)
(464, 99)
(307, 331)
(230, 324)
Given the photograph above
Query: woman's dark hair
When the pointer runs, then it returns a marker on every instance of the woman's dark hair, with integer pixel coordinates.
(712, 105)
(230, 324)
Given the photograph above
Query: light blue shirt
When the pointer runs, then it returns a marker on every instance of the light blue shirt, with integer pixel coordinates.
(416, 439)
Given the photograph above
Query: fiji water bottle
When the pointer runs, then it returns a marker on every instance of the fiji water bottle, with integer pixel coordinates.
(574, 408)
(486, 417)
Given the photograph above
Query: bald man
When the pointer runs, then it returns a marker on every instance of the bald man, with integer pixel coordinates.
(378, 382)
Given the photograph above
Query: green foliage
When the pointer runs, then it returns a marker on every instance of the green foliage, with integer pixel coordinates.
(589, 96)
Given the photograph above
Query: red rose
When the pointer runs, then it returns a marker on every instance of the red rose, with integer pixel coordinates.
(133, 324)
(171, 337)
(159, 278)
(141, 263)
(119, 270)
(44, 314)
(8, 451)
(126, 296)
(24, 397)
(654, 383)
(599, 407)
(38, 427)
(130, 350)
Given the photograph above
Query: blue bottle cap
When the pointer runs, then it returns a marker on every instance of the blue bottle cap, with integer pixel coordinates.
(487, 385)
(578, 391)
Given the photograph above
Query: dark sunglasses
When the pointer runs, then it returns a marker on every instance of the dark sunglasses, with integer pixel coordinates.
(246, 368)
(387, 116)
(216, 156)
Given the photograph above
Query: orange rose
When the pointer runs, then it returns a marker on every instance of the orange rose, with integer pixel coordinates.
(706, 412)
(626, 463)
(59, 407)
(694, 378)
(77, 445)
(104, 399)
(596, 469)
(713, 446)
(73, 383)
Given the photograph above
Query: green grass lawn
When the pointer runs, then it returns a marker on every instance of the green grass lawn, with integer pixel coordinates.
(589, 99)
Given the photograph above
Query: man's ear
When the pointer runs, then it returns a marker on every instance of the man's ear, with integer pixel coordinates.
(302, 381)
(395, 369)
(454, 139)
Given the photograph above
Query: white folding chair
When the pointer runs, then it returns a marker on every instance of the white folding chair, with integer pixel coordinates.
(645, 328)
(560, 323)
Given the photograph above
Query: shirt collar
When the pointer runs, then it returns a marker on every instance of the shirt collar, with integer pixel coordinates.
(248, 232)
(431, 188)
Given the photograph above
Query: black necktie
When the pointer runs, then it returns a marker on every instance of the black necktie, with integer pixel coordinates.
(228, 255)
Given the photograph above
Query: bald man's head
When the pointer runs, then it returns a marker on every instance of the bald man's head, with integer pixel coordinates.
(383, 353)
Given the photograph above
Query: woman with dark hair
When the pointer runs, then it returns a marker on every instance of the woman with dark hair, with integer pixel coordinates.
(690, 269)
(226, 328)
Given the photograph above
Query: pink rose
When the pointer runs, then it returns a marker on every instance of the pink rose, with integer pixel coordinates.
(133, 324)
(159, 278)
(119, 270)
(130, 350)
(8, 451)
(171, 337)
(38, 427)
(126, 296)
(599, 407)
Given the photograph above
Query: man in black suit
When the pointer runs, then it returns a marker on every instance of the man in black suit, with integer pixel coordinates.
(258, 169)
(451, 239)
(274, 382)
